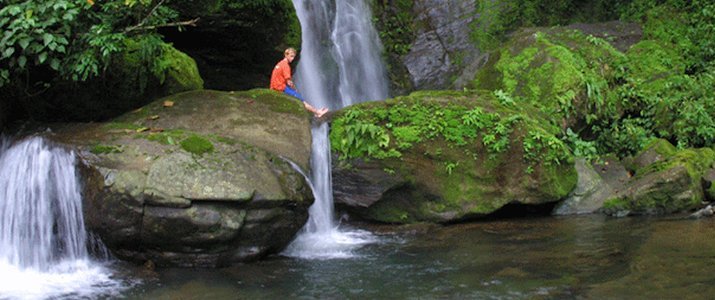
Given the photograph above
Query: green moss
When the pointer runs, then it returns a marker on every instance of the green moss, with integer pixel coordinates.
(613, 205)
(696, 161)
(650, 59)
(177, 71)
(564, 73)
(662, 147)
(197, 145)
(105, 149)
(669, 25)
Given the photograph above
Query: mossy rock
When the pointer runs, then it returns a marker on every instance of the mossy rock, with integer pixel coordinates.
(172, 72)
(181, 73)
(197, 145)
(563, 72)
(449, 156)
(670, 185)
(655, 151)
(212, 166)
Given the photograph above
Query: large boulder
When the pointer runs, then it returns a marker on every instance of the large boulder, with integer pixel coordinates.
(445, 157)
(671, 184)
(560, 70)
(197, 179)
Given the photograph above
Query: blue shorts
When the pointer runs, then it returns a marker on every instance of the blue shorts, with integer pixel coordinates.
(291, 92)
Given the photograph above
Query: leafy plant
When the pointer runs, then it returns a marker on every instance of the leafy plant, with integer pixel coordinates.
(74, 39)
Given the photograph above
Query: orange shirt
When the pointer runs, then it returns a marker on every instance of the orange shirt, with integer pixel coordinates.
(280, 75)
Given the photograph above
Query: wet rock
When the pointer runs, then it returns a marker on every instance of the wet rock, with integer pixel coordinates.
(707, 211)
(596, 184)
(150, 195)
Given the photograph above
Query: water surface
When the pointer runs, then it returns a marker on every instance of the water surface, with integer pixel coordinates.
(566, 257)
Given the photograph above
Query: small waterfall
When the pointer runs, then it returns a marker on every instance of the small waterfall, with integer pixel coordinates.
(340, 65)
(43, 242)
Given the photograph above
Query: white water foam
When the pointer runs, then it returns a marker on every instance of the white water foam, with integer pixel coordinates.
(69, 280)
(43, 242)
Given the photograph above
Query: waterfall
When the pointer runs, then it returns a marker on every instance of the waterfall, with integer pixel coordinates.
(340, 65)
(43, 242)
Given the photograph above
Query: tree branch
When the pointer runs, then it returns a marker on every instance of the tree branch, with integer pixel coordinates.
(140, 25)
(172, 24)
(151, 12)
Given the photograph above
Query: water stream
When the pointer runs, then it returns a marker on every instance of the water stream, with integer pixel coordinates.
(340, 65)
(43, 242)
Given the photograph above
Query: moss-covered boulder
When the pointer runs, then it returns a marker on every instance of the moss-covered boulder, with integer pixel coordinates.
(669, 185)
(445, 157)
(561, 71)
(172, 72)
(197, 179)
(656, 151)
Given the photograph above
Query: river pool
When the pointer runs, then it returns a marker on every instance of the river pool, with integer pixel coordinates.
(535, 258)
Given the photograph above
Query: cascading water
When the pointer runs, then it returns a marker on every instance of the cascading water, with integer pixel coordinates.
(43, 242)
(340, 65)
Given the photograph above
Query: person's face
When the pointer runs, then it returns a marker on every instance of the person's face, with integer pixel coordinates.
(290, 56)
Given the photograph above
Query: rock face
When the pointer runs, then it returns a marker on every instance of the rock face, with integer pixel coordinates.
(597, 183)
(444, 157)
(441, 44)
(665, 180)
(199, 180)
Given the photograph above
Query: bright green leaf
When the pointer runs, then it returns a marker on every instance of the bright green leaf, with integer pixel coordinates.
(42, 57)
(8, 52)
(55, 64)
(47, 38)
(24, 42)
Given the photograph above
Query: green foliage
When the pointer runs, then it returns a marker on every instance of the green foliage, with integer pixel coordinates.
(387, 130)
(580, 148)
(623, 137)
(689, 26)
(395, 24)
(74, 39)
(495, 19)
(35, 33)
(540, 146)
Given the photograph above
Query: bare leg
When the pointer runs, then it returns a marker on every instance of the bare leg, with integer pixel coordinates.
(316, 112)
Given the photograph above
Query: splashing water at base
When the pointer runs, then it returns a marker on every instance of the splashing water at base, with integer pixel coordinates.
(321, 238)
(71, 280)
(43, 242)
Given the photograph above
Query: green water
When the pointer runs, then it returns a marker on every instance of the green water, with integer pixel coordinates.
(590, 257)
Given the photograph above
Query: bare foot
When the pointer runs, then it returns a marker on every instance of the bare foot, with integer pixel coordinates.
(321, 112)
